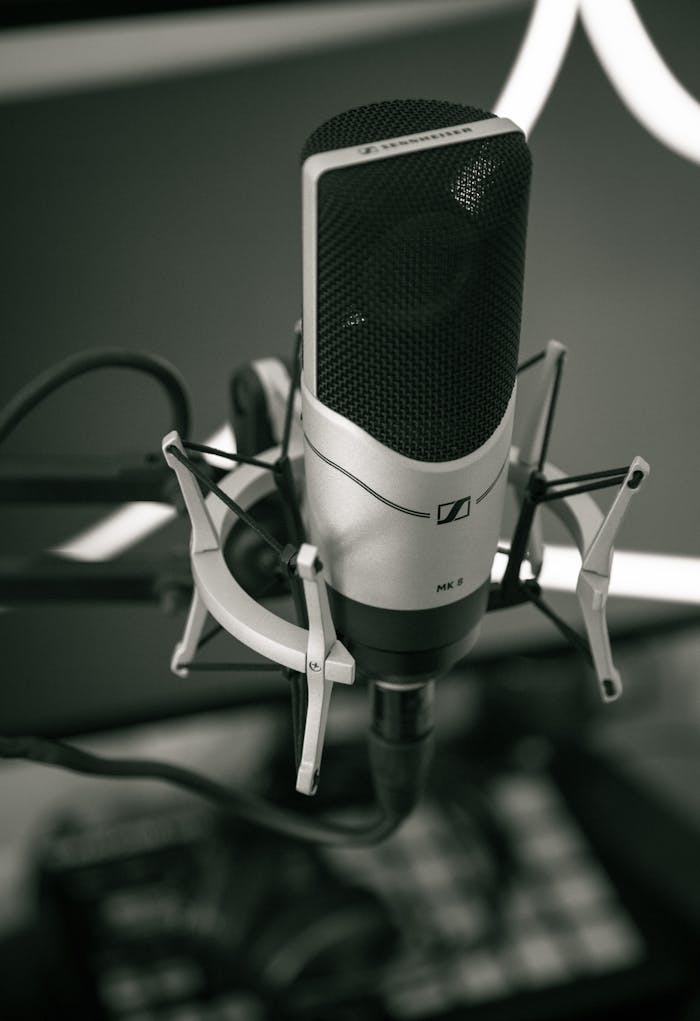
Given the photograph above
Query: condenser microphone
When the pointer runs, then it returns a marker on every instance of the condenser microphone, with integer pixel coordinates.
(414, 222)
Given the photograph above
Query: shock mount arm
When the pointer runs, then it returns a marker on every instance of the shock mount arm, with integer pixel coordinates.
(538, 482)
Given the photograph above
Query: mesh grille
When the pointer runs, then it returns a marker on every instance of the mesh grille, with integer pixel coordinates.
(420, 267)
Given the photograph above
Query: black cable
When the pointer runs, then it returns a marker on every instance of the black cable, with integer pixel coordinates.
(510, 583)
(573, 637)
(284, 477)
(530, 362)
(87, 361)
(587, 487)
(202, 448)
(551, 410)
(293, 386)
(231, 667)
(245, 806)
(225, 499)
(208, 635)
(588, 477)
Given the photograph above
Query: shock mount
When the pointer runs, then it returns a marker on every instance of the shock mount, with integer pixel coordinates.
(310, 651)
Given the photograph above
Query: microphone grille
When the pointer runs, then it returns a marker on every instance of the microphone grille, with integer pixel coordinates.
(420, 261)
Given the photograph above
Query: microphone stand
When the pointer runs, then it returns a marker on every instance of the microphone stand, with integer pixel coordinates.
(401, 742)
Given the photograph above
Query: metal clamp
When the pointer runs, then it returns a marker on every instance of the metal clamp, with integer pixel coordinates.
(594, 582)
(322, 643)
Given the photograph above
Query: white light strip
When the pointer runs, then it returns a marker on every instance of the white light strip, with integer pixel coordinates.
(134, 522)
(641, 78)
(645, 576)
(82, 55)
(631, 61)
(537, 65)
(116, 533)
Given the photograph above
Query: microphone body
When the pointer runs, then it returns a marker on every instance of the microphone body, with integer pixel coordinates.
(408, 545)
(413, 252)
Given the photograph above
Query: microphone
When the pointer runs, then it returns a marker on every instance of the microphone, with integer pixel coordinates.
(414, 223)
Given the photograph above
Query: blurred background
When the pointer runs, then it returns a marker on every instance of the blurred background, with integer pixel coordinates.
(149, 187)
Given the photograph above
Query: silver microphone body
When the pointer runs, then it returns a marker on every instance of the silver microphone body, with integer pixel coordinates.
(407, 529)
(401, 537)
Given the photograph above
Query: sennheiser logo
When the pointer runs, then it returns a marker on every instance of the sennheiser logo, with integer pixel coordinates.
(397, 143)
(454, 510)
